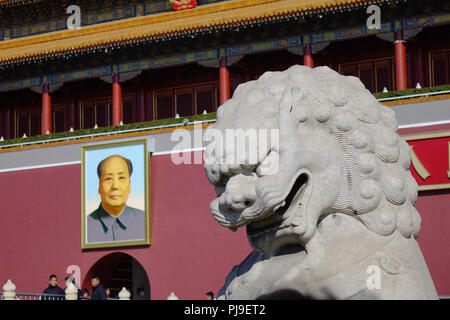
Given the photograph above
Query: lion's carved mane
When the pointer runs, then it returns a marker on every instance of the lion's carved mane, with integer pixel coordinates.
(341, 192)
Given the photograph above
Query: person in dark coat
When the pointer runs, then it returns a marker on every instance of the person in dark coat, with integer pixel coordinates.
(53, 289)
(98, 292)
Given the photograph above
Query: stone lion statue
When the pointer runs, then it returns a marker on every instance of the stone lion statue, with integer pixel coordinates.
(328, 204)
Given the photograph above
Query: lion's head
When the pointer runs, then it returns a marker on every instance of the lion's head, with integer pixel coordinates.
(338, 152)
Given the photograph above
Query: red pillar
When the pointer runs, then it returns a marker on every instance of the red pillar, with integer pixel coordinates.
(46, 110)
(116, 101)
(307, 56)
(224, 81)
(400, 61)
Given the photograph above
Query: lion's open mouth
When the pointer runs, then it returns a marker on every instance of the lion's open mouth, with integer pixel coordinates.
(281, 219)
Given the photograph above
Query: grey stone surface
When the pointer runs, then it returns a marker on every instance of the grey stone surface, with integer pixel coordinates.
(333, 217)
(422, 113)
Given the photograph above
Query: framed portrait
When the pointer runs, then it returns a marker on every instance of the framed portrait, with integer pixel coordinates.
(115, 195)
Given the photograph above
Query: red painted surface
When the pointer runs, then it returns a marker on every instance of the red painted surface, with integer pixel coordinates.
(116, 101)
(178, 5)
(400, 61)
(307, 56)
(434, 237)
(224, 81)
(433, 154)
(46, 110)
(190, 252)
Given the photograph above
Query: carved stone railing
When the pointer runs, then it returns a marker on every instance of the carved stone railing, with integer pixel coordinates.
(71, 293)
(172, 296)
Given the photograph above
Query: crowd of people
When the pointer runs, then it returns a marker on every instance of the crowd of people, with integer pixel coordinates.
(54, 292)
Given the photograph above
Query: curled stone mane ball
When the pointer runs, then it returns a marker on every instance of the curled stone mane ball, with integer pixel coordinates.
(341, 196)
(363, 131)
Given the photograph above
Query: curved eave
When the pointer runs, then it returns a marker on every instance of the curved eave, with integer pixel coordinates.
(160, 25)
(12, 3)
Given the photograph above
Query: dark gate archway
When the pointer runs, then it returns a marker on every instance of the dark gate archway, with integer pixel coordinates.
(118, 270)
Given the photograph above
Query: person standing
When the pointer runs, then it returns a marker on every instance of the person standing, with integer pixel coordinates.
(98, 292)
(53, 289)
(84, 294)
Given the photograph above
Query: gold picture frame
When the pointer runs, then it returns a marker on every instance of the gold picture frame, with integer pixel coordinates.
(115, 212)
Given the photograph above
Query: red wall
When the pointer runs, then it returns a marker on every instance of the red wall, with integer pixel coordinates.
(41, 231)
(434, 237)
(190, 253)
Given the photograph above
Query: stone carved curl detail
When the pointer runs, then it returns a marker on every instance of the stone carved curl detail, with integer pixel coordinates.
(342, 185)
(361, 131)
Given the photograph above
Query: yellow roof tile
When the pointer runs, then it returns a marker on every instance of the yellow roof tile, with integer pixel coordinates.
(217, 14)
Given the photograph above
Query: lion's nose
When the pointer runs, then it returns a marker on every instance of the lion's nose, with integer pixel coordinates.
(239, 193)
(234, 202)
